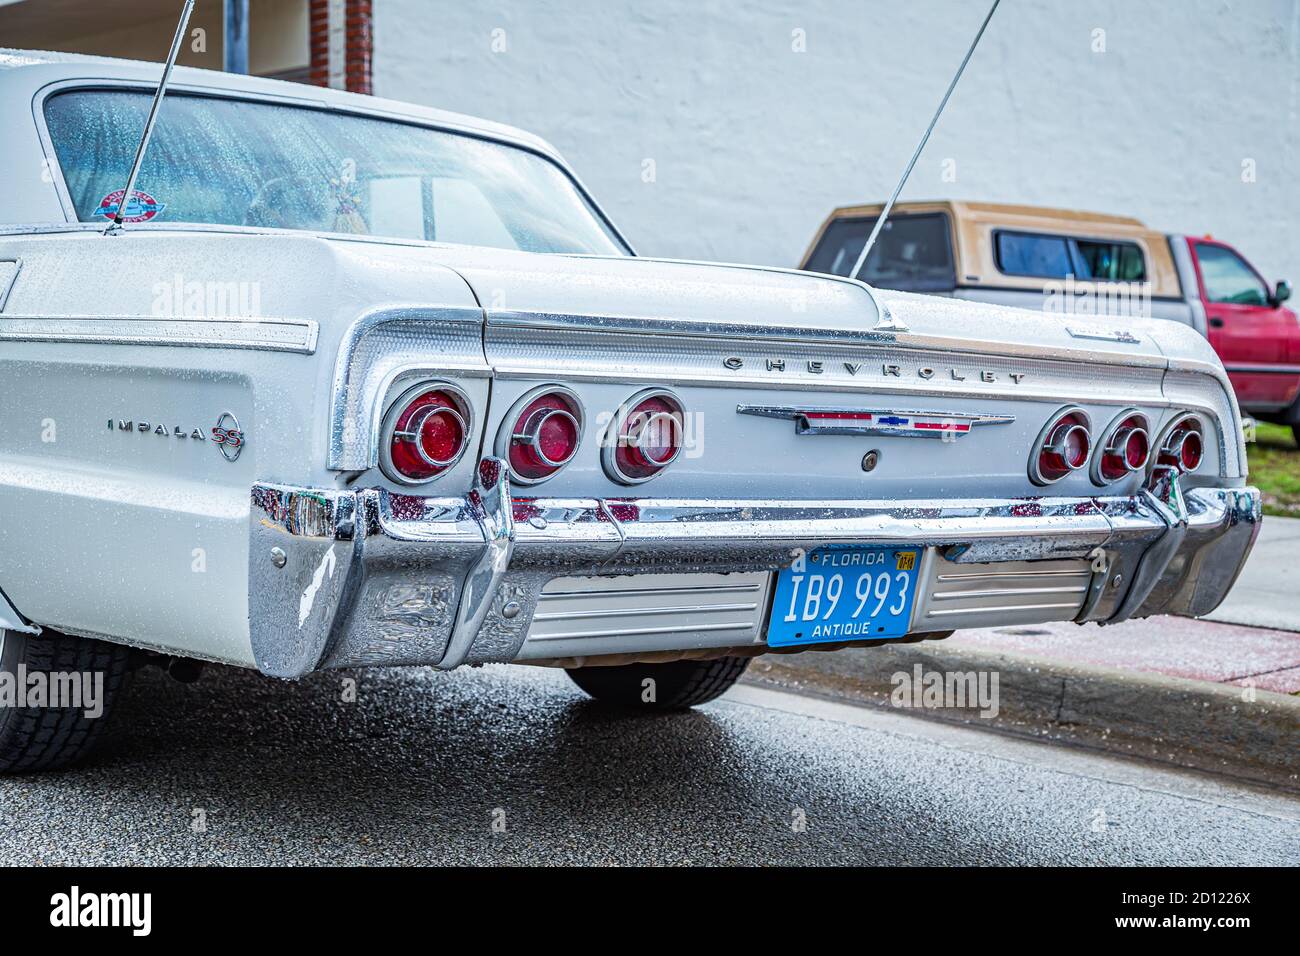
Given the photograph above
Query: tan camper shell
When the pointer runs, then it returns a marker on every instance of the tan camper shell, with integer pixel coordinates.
(1011, 254)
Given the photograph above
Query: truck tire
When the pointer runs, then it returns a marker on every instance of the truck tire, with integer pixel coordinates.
(45, 737)
(677, 685)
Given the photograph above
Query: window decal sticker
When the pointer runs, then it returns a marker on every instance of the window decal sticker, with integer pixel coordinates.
(141, 208)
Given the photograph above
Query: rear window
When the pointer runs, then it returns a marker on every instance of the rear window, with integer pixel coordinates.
(1046, 256)
(238, 162)
(912, 252)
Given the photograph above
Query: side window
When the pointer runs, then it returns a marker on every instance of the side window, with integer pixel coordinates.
(1228, 278)
(1033, 254)
(1107, 260)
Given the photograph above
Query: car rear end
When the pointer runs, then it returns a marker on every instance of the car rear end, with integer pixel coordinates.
(655, 461)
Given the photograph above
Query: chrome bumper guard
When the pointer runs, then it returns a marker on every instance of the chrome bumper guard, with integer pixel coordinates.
(342, 578)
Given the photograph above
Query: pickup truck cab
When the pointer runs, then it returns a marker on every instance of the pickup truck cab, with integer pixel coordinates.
(1087, 265)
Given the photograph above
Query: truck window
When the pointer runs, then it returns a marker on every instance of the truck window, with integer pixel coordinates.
(1105, 259)
(1033, 254)
(912, 252)
(1228, 278)
(1056, 257)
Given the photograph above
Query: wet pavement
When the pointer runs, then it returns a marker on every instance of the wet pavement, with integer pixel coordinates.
(513, 765)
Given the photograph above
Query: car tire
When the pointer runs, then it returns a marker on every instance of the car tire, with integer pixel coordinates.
(676, 685)
(50, 738)
(1295, 433)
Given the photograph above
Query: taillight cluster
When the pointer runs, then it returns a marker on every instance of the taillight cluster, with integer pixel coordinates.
(645, 436)
(1125, 447)
(425, 432)
(1065, 445)
(1062, 447)
(1182, 445)
(541, 433)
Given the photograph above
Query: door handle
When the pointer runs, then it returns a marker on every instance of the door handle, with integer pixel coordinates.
(1216, 323)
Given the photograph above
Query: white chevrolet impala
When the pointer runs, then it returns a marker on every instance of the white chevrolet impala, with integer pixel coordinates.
(339, 382)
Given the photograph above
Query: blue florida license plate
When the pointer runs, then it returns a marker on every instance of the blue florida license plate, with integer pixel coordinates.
(844, 594)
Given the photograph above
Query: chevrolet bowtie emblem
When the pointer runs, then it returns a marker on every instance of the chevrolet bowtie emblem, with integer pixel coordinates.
(829, 420)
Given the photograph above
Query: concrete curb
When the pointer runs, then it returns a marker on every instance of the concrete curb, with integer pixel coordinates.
(1186, 723)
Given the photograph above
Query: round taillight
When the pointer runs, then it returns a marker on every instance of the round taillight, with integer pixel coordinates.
(1125, 447)
(541, 433)
(1063, 446)
(1183, 444)
(425, 432)
(645, 437)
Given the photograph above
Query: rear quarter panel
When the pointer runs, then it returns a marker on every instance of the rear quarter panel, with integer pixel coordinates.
(139, 536)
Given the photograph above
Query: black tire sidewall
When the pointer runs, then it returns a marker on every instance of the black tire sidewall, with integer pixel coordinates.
(12, 654)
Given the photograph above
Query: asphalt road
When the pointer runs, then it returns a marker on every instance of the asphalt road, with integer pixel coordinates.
(422, 764)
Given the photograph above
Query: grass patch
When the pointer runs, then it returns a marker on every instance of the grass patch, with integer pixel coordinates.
(1275, 469)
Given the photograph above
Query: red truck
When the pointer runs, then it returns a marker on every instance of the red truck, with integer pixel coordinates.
(1044, 258)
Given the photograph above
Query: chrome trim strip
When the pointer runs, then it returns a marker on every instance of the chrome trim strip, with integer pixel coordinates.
(677, 327)
(949, 612)
(642, 612)
(1005, 592)
(996, 575)
(273, 335)
(803, 416)
(1264, 369)
(618, 592)
(675, 629)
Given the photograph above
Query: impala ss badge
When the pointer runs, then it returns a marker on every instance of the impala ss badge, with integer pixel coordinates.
(226, 434)
(826, 420)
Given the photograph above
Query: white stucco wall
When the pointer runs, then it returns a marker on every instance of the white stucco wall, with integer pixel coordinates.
(753, 143)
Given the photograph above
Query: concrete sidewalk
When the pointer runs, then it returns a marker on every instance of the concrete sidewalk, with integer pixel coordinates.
(1198, 694)
(1173, 646)
(1268, 592)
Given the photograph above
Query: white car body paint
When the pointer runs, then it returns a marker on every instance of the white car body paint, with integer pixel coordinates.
(99, 529)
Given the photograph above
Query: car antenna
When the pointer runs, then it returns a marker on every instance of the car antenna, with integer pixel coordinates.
(116, 224)
(884, 213)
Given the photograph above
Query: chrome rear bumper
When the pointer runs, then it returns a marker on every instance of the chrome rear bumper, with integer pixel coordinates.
(356, 578)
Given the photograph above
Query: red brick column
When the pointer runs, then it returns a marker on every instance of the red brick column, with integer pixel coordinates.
(358, 48)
